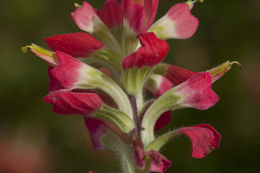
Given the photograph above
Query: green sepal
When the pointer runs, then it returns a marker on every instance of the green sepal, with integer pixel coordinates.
(109, 56)
(95, 79)
(160, 141)
(116, 117)
(168, 101)
(134, 78)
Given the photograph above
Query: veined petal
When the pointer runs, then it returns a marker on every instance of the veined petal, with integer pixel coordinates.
(138, 65)
(178, 23)
(134, 14)
(139, 14)
(204, 139)
(84, 17)
(196, 92)
(75, 44)
(67, 102)
(152, 51)
(111, 14)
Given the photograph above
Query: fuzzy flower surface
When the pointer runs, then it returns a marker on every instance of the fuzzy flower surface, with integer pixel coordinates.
(112, 74)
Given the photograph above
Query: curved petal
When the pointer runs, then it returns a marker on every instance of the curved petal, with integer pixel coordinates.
(67, 102)
(178, 23)
(84, 17)
(75, 44)
(152, 52)
(67, 72)
(197, 92)
(140, 14)
(204, 139)
(177, 75)
(111, 14)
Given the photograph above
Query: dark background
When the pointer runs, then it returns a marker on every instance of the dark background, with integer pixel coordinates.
(229, 30)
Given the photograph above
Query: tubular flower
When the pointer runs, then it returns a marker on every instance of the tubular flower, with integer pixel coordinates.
(102, 74)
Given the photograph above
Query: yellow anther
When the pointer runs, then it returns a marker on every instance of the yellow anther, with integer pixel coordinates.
(77, 5)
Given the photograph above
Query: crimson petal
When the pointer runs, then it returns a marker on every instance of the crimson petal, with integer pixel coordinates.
(152, 52)
(75, 44)
(111, 14)
(204, 139)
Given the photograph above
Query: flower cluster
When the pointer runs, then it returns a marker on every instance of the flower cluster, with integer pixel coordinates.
(112, 75)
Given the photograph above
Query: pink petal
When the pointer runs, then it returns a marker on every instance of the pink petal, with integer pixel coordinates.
(67, 102)
(185, 24)
(177, 75)
(159, 163)
(97, 128)
(152, 52)
(197, 91)
(140, 14)
(134, 14)
(75, 44)
(84, 16)
(204, 139)
(150, 7)
(111, 14)
(91, 172)
(66, 74)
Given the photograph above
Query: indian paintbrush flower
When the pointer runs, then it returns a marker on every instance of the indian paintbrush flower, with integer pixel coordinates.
(104, 73)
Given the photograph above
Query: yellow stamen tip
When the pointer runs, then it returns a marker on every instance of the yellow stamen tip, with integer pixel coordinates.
(25, 48)
(77, 5)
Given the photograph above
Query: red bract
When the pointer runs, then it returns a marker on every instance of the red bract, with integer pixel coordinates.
(140, 14)
(204, 139)
(183, 21)
(149, 54)
(66, 73)
(111, 14)
(75, 44)
(67, 102)
(197, 91)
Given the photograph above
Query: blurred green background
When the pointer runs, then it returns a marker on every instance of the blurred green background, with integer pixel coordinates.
(229, 30)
